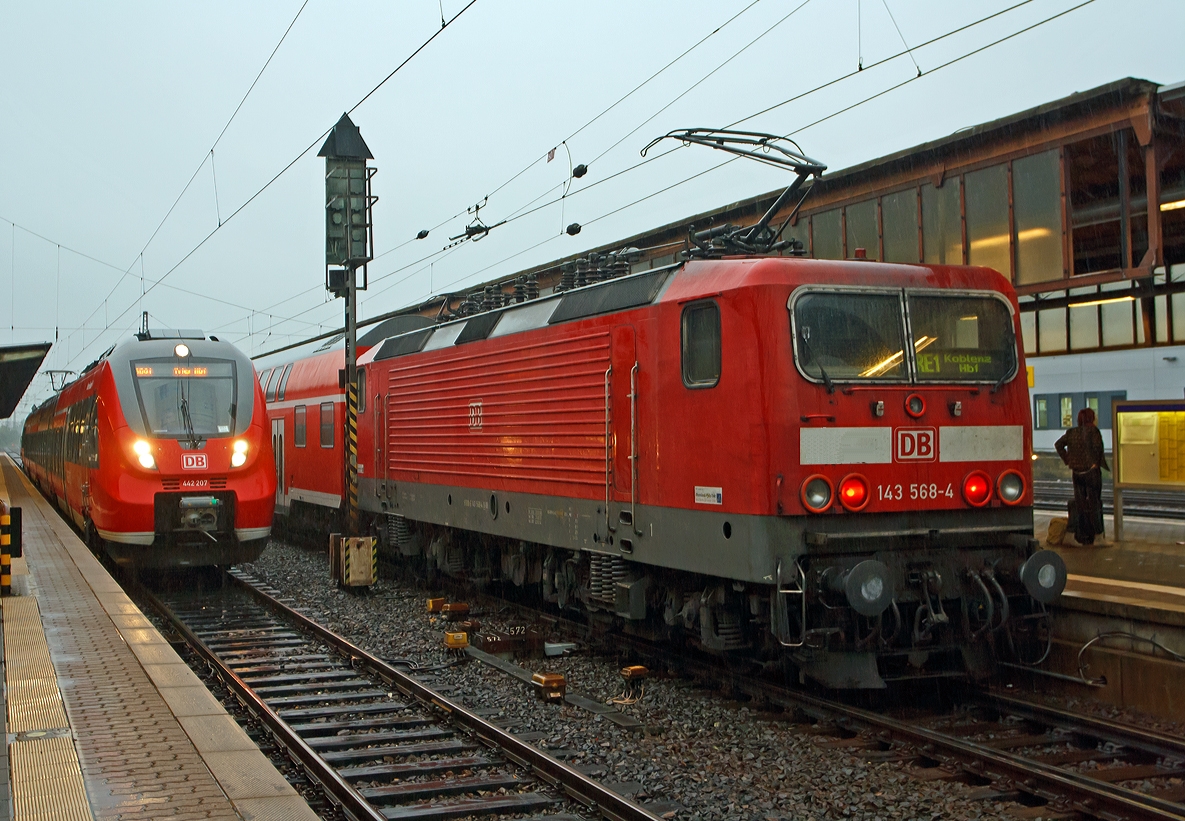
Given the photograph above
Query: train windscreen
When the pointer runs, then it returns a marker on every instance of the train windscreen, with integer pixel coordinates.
(850, 336)
(191, 398)
(961, 338)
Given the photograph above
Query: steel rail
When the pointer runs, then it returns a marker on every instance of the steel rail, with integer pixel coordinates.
(337, 788)
(583, 789)
(1105, 729)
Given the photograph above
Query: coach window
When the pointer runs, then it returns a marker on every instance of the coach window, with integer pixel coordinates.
(298, 426)
(1042, 416)
(326, 424)
(283, 382)
(264, 376)
(361, 391)
(273, 384)
(1067, 408)
(701, 345)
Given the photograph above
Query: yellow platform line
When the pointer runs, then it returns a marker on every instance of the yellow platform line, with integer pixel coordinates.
(45, 774)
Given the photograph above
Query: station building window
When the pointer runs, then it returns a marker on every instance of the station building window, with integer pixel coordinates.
(1051, 330)
(326, 424)
(299, 426)
(988, 232)
(826, 235)
(701, 345)
(1084, 323)
(899, 225)
(861, 228)
(1037, 212)
(942, 224)
(800, 231)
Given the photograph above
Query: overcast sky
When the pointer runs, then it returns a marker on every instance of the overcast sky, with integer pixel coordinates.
(109, 109)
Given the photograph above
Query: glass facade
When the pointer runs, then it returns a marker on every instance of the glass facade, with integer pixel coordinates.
(942, 224)
(862, 230)
(899, 225)
(988, 234)
(1037, 211)
(825, 231)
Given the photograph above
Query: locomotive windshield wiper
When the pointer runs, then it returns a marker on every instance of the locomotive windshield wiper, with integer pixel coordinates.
(1012, 349)
(823, 373)
(183, 406)
(756, 145)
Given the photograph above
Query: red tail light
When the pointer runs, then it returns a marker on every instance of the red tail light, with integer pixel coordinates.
(977, 488)
(853, 492)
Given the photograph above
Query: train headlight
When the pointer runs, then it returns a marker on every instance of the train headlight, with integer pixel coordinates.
(1044, 576)
(1010, 487)
(182, 350)
(817, 493)
(868, 588)
(853, 492)
(239, 457)
(144, 454)
(977, 488)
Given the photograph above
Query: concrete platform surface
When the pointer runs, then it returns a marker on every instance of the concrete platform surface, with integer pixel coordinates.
(104, 719)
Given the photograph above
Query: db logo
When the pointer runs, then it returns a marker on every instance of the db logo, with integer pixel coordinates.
(475, 415)
(193, 461)
(915, 445)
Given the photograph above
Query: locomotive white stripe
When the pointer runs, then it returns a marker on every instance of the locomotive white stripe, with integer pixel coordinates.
(981, 443)
(248, 533)
(874, 445)
(127, 538)
(315, 497)
(845, 446)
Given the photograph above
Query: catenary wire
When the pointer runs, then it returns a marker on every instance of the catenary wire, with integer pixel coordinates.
(293, 162)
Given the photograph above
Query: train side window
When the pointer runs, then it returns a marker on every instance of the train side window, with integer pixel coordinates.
(701, 345)
(326, 424)
(298, 426)
(1067, 408)
(263, 377)
(273, 384)
(283, 382)
(1042, 416)
(361, 391)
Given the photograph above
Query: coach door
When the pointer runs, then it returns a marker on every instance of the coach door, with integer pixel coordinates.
(623, 411)
(278, 450)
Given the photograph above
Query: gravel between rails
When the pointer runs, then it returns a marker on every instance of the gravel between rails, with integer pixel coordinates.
(718, 759)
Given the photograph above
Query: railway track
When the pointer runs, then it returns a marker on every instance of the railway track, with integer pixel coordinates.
(1056, 763)
(380, 742)
(1050, 494)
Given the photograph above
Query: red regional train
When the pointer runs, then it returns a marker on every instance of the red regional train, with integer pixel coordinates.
(826, 461)
(159, 452)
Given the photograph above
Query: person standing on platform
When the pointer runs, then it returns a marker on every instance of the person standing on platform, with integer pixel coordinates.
(1082, 451)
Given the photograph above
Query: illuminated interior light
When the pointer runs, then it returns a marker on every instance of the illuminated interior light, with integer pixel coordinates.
(1173, 206)
(1111, 301)
(1002, 239)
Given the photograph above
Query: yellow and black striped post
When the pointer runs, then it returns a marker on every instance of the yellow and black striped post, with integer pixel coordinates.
(352, 446)
(5, 550)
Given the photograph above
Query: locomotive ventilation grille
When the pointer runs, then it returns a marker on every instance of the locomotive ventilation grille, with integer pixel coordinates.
(604, 574)
(398, 533)
(215, 483)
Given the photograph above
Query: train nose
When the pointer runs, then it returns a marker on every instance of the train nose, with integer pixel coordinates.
(1044, 576)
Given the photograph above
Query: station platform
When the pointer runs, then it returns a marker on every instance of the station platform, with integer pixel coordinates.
(1121, 617)
(103, 718)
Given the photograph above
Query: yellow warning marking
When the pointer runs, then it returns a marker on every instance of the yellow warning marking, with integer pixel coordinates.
(47, 780)
(1151, 588)
(34, 702)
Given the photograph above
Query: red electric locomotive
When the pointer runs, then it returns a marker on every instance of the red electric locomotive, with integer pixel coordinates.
(159, 452)
(825, 461)
(827, 457)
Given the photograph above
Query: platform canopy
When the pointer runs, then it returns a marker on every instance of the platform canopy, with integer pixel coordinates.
(18, 366)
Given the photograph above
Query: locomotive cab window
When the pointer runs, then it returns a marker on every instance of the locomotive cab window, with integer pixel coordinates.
(961, 338)
(194, 399)
(299, 428)
(701, 345)
(326, 424)
(850, 336)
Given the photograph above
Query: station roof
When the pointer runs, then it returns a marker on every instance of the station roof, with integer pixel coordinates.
(18, 366)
